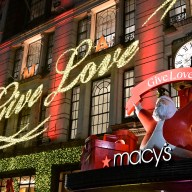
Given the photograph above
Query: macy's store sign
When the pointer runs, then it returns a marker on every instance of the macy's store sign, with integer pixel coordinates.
(119, 149)
(139, 156)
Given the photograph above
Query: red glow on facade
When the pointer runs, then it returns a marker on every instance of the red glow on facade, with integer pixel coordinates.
(58, 125)
(150, 56)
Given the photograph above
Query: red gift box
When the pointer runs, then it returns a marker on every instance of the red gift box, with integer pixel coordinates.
(98, 154)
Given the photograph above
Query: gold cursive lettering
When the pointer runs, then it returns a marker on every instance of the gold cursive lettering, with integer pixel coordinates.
(17, 102)
(90, 69)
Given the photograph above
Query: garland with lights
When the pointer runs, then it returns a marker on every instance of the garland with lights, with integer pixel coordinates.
(11, 140)
(42, 163)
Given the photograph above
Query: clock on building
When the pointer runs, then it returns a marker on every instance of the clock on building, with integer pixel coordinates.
(183, 57)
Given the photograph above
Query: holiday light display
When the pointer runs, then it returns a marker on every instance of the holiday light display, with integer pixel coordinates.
(43, 161)
(90, 69)
(17, 101)
(27, 136)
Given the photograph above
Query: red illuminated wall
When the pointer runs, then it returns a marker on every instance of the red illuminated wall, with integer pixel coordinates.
(59, 109)
(149, 59)
(4, 61)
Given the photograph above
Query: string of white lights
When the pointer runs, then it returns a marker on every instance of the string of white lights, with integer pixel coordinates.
(28, 136)
(170, 2)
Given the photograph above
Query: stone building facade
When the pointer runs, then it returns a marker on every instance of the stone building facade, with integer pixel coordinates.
(38, 38)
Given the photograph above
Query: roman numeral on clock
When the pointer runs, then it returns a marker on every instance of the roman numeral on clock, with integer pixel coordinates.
(178, 62)
(185, 48)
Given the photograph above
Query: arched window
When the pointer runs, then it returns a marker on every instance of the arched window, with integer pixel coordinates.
(100, 106)
(105, 25)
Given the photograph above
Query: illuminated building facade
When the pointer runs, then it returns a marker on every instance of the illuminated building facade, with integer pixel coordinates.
(36, 41)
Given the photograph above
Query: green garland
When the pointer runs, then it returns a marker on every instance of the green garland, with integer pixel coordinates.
(42, 163)
(15, 185)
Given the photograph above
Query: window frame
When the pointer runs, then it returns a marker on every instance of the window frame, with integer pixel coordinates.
(42, 116)
(91, 103)
(113, 34)
(81, 52)
(96, 10)
(182, 14)
(49, 50)
(17, 67)
(25, 47)
(2, 186)
(71, 112)
(36, 55)
(126, 14)
(132, 116)
(22, 115)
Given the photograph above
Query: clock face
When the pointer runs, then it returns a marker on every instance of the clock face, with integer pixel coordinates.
(183, 56)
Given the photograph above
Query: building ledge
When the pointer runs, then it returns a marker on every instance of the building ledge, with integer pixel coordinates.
(167, 173)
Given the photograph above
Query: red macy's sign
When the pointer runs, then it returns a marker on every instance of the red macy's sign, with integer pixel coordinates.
(169, 76)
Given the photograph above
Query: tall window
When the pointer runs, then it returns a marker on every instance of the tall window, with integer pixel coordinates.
(178, 12)
(128, 85)
(17, 63)
(33, 56)
(129, 20)
(83, 33)
(49, 50)
(24, 116)
(42, 118)
(100, 106)
(105, 25)
(28, 57)
(23, 120)
(25, 183)
(74, 111)
(37, 9)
